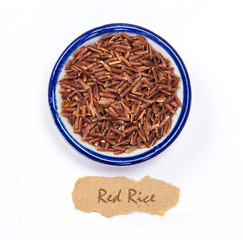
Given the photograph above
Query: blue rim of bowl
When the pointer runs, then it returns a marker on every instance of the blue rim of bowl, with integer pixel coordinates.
(115, 28)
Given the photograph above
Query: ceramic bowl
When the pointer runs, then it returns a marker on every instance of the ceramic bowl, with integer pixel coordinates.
(139, 155)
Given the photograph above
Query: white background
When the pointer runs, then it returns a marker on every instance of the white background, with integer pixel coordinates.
(38, 168)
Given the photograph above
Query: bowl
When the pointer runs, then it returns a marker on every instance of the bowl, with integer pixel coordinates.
(140, 155)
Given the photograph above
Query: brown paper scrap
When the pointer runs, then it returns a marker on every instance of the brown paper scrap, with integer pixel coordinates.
(121, 195)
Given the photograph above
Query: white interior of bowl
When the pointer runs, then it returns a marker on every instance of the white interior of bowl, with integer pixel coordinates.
(137, 151)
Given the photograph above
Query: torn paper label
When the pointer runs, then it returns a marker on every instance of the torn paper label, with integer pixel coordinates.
(121, 195)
